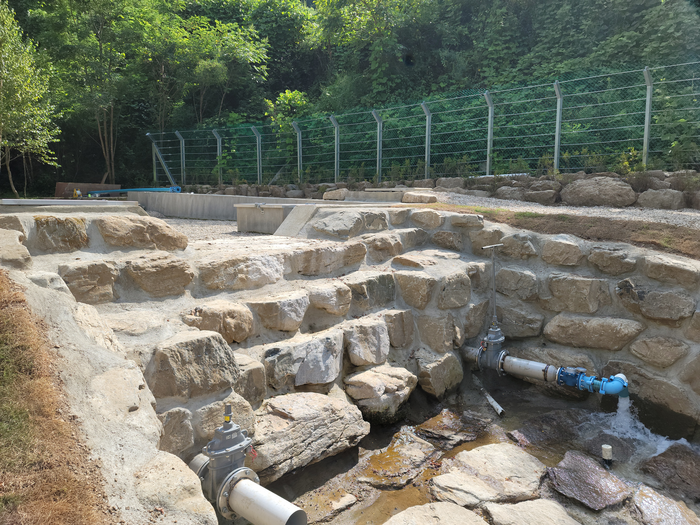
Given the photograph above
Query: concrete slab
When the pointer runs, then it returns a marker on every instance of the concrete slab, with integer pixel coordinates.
(123, 207)
(296, 220)
(261, 218)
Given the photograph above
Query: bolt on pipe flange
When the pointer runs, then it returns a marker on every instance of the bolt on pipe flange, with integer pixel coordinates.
(227, 487)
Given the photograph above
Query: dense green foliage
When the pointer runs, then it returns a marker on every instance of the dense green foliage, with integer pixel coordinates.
(121, 68)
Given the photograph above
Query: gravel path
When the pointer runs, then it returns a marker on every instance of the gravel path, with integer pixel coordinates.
(201, 230)
(686, 217)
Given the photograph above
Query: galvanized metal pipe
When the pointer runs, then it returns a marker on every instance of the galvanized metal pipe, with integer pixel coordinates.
(489, 139)
(647, 115)
(530, 369)
(557, 130)
(380, 127)
(300, 164)
(428, 129)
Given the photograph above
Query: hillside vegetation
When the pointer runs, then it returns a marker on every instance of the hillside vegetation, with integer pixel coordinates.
(108, 71)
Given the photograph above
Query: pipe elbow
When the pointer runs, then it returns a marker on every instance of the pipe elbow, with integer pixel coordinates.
(615, 386)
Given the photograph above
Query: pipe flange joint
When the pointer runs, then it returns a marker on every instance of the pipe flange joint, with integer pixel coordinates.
(227, 487)
(501, 360)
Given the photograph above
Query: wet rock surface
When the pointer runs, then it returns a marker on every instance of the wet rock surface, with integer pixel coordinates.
(678, 468)
(581, 478)
(449, 429)
(656, 509)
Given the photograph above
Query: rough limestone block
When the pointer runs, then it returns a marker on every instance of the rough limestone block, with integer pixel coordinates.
(335, 195)
(474, 320)
(606, 333)
(371, 289)
(178, 435)
(398, 216)
(191, 364)
(448, 240)
(160, 274)
(441, 512)
(672, 270)
(613, 261)
(383, 246)
(519, 322)
(518, 246)
(599, 191)
(437, 332)
(311, 360)
(207, 419)
(12, 252)
(54, 234)
(412, 237)
(380, 391)
(454, 291)
(333, 296)
(282, 312)
(418, 197)
(521, 284)
(660, 352)
(140, 232)
(575, 293)
(90, 282)
(485, 237)
(562, 250)
(12, 222)
(467, 221)
(665, 306)
(367, 341)
(399, 324)
(252, 381)
(233, 321)
(427, 219)
(416, 288)
(438, 373)
(241, 272)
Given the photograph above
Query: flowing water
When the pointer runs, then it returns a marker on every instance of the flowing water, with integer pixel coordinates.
(566, 424)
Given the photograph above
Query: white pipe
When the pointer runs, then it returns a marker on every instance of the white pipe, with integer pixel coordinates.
(532, 369)
(261, 507)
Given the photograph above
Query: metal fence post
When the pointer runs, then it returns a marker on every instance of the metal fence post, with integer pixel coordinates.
(182, 157)
(336, 133)
(647, 115)
(489, 139)
(297, 130)
(219, 152)
(157, 153)
(428, 128)
(258, 138)
(380, 123)
(557, 130)
(155, 168)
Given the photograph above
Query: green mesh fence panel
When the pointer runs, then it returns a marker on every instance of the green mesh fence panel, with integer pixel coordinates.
(602, 128)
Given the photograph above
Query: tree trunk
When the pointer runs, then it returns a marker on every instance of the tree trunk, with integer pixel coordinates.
(9, 171)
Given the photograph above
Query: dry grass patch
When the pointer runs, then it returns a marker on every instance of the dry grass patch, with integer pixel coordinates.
(46, 476)
(658, 236)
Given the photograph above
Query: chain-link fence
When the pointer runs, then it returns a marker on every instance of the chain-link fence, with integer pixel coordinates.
(611, 121)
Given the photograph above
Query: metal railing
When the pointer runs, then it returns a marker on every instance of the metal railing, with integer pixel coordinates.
(622, 121)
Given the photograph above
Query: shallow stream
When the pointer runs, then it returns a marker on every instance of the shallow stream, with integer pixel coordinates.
(369, 484)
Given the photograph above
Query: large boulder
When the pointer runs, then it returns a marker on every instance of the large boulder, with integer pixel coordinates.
(140, 232)
(606, 333)
(513, 282)
(308, 360)
(398, 216)
(191, 364)
(240, 272)
(160, 274)
(613, 261)
(492, 473)
(672, 270)
(90, 282)
(535, 512)
(438, 373)
(660, 352)
(283, 311)
(333, 297)
(380, 391)
(575, 293)
(12, 252)
(54, 234)
(367, 341)
(665, 306)
(454, 291)
(440, 513)
(451, 182)
(295, 430)
(12, 222)
(412, 237)
(656, 509)
(371, 289)
(510, 193)
(467, 221)
(599, 191)
(545, 197)
(583, 479)
(485, 237)
(416, 288)
(563, 250)
(343, 225)
(544, 185)
(418, 197)
(233, 321)
(664, 199)
(448, 240)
